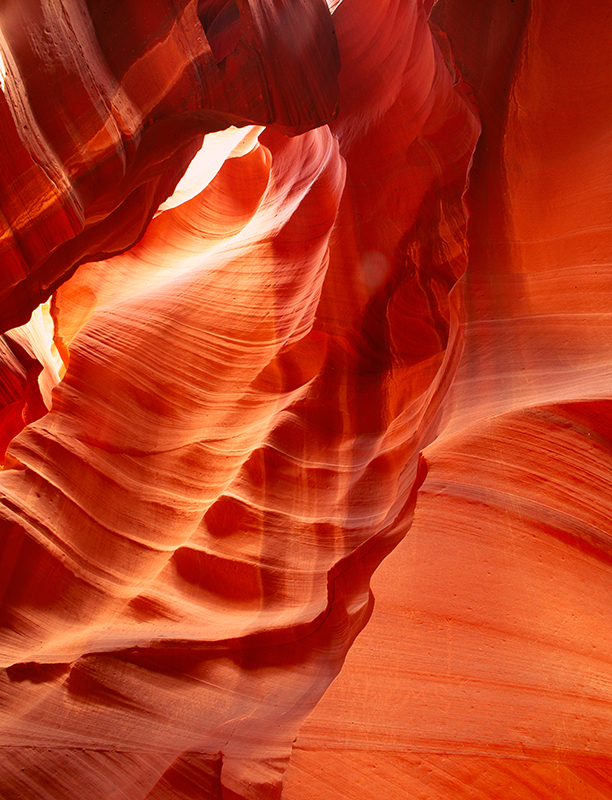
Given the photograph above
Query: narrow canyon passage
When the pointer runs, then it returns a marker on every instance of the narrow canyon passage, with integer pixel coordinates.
(307, 333)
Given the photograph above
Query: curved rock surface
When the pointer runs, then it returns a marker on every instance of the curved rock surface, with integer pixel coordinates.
(234, 447)
(252, 366)
(485, 669)
(132, 91)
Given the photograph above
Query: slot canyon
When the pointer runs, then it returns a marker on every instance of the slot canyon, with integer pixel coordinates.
(305, 400)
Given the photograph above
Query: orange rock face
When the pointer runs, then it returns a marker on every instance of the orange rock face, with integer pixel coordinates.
(251, 223)
(485, 669)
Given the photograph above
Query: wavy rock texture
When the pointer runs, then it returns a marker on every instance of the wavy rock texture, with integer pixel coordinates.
(486, 668)
(253, 366)
(87, 164)
(190, 531)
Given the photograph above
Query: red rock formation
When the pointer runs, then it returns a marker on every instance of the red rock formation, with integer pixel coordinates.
(189, 533)
(485, 670)
(104, 105)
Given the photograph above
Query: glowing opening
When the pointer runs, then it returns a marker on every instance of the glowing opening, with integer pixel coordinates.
(2, 71)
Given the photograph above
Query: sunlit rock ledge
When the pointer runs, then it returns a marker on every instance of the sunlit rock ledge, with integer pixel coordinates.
(273, 313)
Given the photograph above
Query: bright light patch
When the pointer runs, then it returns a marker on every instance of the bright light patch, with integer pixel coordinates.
(36, 338)
(217, 147)
(2, 71)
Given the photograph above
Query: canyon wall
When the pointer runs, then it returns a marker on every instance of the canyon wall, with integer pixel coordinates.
(288, 307)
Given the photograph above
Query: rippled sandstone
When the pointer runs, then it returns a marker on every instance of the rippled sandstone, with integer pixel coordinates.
(251, 222)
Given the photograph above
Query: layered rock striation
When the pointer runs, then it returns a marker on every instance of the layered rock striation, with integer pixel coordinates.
(247, 225)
